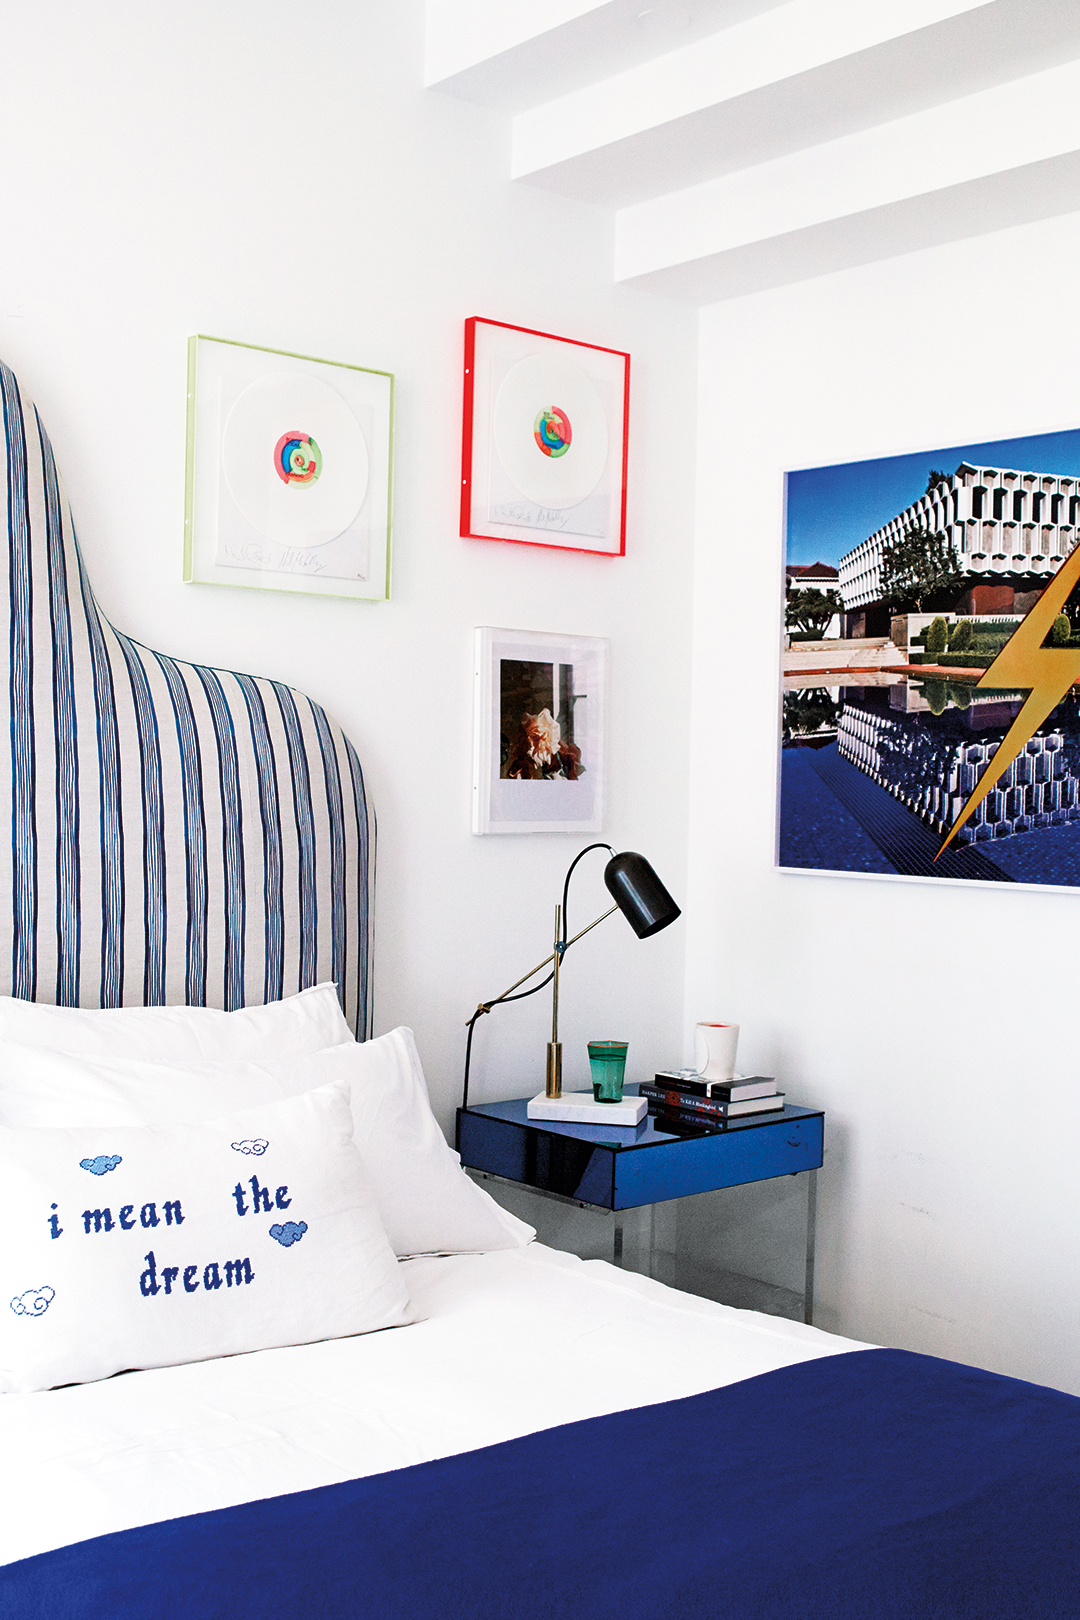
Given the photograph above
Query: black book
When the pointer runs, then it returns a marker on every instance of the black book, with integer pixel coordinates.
(737, 1090)
(712, 1107)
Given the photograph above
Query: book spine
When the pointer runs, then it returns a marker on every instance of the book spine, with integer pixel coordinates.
(692, 1088)
(679, 1101)
(716, 1090)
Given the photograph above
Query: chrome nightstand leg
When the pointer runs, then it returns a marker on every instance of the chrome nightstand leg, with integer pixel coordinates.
(811, 1236)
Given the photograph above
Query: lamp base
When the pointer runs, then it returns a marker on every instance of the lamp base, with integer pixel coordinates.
(579, 1108)
(553, 1084)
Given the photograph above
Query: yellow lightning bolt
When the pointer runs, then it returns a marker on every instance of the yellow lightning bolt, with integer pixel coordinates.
(1045, 672)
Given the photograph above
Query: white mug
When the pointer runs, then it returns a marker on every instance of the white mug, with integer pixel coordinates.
(721, 1043)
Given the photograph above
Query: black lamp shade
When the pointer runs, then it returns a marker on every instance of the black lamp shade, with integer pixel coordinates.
(639, 894)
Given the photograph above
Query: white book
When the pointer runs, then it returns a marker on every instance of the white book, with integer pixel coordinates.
(580, 1108)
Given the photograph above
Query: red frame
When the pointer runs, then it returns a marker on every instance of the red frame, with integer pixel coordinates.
(466, 530)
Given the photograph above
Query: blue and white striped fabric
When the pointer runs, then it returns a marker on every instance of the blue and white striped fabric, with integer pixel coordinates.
(178, 834)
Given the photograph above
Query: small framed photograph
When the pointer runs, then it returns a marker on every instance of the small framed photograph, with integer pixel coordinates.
(288, 472)
(539, 722)
(544, 440)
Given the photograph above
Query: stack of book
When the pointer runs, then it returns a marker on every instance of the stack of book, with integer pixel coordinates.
(679, 1097)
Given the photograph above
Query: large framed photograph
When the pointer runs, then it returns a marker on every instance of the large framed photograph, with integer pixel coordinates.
(931, 716)
(289, 465)
(544, 439)
(538, 743)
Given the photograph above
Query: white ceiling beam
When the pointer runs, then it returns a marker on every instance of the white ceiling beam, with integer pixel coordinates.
(460, 34)
(513, 54)
(802, 73)
(973, 165)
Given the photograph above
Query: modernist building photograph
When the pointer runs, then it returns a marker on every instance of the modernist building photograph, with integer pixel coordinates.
(1008, 510)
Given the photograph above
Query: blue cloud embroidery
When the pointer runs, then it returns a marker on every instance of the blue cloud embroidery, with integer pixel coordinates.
(35, 1301)
(101, 1165)
(252, 1144)
(288, 1233)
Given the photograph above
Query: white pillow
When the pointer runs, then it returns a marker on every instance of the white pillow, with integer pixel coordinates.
(303, 1023)
(427, 1203)
(127, 1247)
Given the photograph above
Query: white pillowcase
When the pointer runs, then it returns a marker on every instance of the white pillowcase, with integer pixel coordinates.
(127, 1247)
(302, 1023)
(427, 1203)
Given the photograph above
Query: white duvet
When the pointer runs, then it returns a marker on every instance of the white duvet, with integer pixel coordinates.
(512, 1342)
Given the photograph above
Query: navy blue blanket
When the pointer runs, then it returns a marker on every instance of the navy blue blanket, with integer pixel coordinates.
(874, 1484)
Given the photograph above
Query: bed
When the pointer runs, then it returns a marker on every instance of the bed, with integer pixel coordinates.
(515, 1432)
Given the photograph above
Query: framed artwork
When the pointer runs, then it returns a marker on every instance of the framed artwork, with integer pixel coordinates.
(931, 709)
(288, 472)
(543, 444)
(538, 739)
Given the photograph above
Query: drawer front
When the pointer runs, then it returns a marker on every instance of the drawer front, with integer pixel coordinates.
(701, 1164)
(536, 1158)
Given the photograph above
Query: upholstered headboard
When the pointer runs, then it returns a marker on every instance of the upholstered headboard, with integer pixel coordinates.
(178, 833)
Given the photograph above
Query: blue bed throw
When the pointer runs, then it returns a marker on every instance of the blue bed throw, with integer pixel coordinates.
(871, 1484)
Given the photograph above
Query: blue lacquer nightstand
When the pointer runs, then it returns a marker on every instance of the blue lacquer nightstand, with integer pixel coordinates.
(622, 1168)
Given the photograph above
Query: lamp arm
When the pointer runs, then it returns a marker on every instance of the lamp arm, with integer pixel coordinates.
(566, 889)
(507, 995)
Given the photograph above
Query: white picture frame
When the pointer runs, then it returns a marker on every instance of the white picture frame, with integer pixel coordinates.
(539, 732)
(267, 506)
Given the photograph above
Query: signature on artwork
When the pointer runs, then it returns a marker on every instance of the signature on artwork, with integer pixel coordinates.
(290, 560)
(537, 517)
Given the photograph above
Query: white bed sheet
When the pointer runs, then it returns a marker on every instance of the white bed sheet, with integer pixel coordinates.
(512, 1342)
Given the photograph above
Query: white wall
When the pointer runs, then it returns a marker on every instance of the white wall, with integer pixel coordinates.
(241, 171)
(935, 1023)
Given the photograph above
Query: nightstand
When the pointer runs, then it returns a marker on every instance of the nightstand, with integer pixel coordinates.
(624, 1168)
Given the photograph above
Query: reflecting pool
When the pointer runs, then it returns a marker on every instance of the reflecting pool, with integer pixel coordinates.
(874, 775)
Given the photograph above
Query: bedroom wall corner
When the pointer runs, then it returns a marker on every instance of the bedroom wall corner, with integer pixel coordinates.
(933, 1022)
(205, 170)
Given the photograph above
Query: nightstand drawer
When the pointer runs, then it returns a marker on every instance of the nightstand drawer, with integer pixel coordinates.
(618, 1168)
(780, 1147)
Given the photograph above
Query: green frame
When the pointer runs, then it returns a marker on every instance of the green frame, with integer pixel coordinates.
(203, 570)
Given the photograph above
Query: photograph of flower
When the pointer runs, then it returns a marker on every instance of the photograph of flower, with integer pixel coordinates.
(539, 732)
(537, 737)
(931, 665)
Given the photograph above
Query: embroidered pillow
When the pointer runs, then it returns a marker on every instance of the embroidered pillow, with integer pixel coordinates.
(127, 1247)
(427, 1203)
(303, 1023)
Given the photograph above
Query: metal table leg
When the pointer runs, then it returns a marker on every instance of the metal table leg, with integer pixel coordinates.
(811, 1235)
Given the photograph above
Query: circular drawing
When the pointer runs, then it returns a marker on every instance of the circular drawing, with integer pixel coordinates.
(544, 459)
(552, 432)
(297, 459)
(296, 488)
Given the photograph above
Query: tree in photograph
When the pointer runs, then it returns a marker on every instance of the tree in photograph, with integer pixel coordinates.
(915, 565)
(809, 712)
(811, 610)
(937, 638)
(1060, 631)
(934, 479)
(960, 639)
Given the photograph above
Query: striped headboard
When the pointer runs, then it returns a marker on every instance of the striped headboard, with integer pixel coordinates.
(179, 834)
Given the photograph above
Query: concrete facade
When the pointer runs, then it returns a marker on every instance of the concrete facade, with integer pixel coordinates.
(1010, 530)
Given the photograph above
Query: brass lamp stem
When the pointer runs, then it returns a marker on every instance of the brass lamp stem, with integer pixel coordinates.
(553, 1083)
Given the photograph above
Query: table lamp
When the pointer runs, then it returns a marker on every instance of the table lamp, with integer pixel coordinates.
(644, 902)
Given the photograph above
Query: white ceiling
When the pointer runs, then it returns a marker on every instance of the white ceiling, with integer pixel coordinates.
(744, 143)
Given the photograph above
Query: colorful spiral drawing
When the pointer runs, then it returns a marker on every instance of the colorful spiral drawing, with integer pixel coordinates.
(297, 459)
(552, 432)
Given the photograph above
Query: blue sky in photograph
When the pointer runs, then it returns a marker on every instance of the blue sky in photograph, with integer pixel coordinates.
(830, 510)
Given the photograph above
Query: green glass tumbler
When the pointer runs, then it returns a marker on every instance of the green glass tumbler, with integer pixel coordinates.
(607, 1060)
